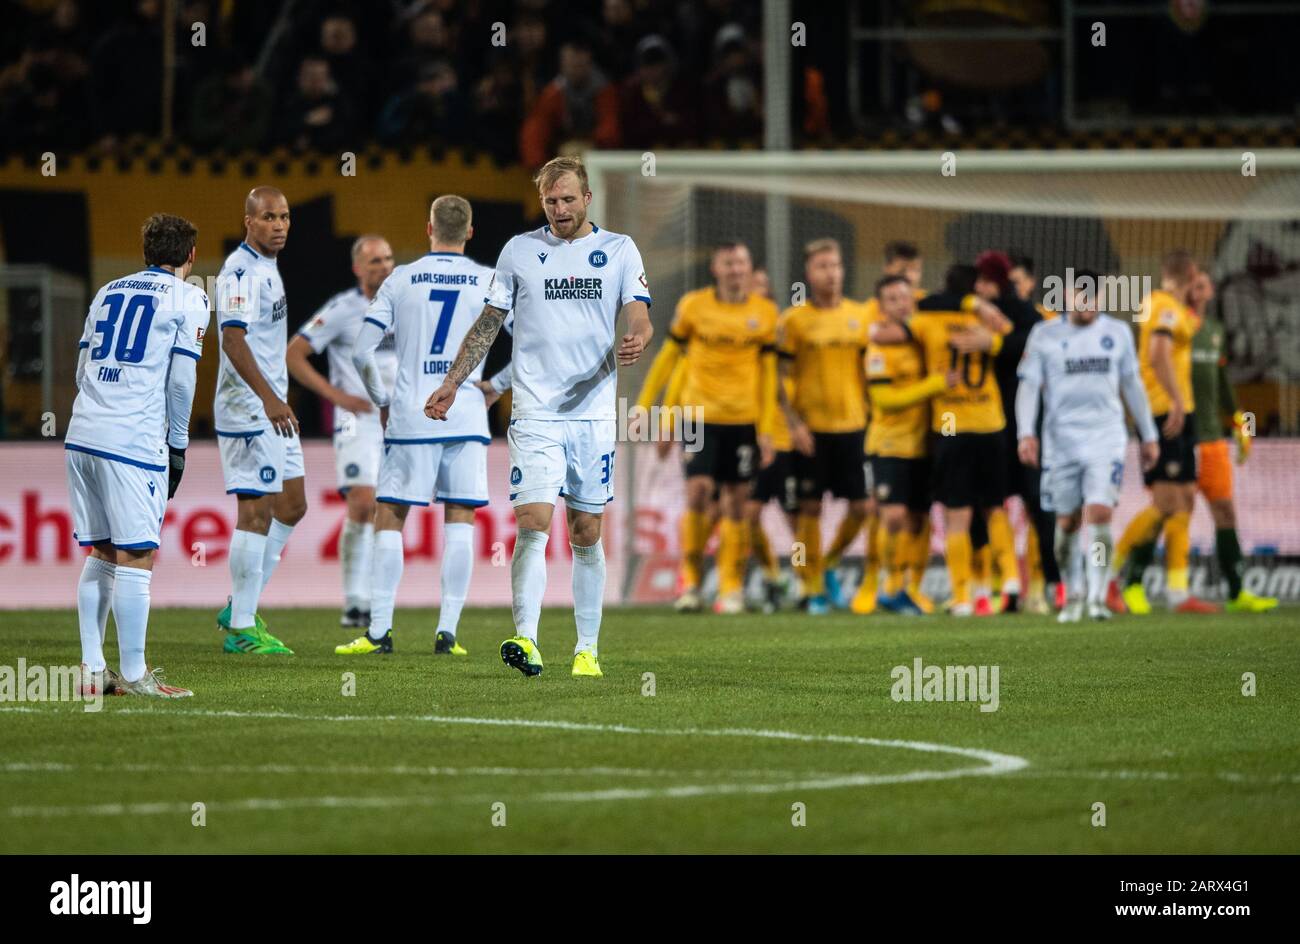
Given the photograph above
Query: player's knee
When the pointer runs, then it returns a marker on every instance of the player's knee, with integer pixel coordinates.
(584, 528)
(1223, 513)
(1098, 514)
(894, 518)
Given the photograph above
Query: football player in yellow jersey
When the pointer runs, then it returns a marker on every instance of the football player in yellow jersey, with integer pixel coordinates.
(900, 392)
(962, 333)
(901, 258)
(1042, 568)
(821, 347)
(726, 335)
(1165, 329)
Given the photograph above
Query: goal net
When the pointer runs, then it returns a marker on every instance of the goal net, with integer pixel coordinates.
(1116, 213)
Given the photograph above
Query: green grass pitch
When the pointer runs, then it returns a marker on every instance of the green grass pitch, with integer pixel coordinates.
(1145, 716)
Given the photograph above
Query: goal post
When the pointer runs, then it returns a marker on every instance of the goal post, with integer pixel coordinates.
(1115, 212)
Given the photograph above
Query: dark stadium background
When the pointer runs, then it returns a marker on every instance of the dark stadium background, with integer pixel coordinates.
(279, 89)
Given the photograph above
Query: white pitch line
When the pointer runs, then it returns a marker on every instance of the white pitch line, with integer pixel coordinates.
(1228, 776)
(402, 770)
(992, 763)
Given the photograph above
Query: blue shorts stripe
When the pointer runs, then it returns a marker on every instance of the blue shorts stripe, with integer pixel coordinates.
(73, 447)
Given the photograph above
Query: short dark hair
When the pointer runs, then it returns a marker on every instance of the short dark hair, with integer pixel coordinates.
(901, 249)
(726, 245)
(888, 281)
(959, 279)
(168, 240)
(1023, 262)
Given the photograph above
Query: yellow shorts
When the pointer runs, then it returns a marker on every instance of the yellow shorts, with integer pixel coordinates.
(1214, 470)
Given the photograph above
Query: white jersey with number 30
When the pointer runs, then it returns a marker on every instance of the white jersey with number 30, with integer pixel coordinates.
(566, 297)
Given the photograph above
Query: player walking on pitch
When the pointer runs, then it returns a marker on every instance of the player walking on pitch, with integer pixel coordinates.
(426, 307)
(566, 284)
(1082, 364)
(358, 435)
(130, 425)
(257, 432)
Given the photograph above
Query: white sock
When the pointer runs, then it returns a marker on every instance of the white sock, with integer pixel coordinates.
(588, 593)
(1098, 541)
(247, 549)
(355, 546)
(385, 575)
(457, 569)
(1063, 545)
(94, 597)
(131, 613)
(528, 581)
(276, 538)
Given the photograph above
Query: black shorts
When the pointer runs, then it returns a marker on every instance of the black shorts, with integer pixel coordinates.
(778, 481)
(970, 470)
(837, 465)
(898, 481)
(1177, 462)
(728, 453)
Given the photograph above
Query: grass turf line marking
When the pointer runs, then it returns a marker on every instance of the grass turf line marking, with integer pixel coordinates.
(993, 763)
(401, 770)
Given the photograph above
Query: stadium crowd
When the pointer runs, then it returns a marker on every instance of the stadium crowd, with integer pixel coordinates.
(324, 75)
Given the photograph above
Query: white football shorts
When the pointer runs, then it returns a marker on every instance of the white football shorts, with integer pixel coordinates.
(569, 459)
(115, 501)
(258, 462)
(1069, 486)
(453, 471)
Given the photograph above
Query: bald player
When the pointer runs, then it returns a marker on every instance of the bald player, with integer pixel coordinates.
(257, 431)
(358, 436)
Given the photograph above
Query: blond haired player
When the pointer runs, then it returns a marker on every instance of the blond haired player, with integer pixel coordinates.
(567, 283)
(726, 335)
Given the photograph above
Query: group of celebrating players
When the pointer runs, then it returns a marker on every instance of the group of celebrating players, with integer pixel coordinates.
(903, 401)
(790, 402)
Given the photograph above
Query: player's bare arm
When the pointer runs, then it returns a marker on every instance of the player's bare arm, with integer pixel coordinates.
(301, 369)
(473, 349)
(991, 317)
(640, 331)
(1162, 362)
(974, 338)
(235, 345)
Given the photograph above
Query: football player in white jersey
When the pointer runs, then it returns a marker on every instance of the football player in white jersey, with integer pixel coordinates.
(358, 435)
(426, 306)
(257, 432)
(1085, 366)
(566, 284)
(125, 446)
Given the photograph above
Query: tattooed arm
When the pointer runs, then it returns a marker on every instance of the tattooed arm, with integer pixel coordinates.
(472, 350)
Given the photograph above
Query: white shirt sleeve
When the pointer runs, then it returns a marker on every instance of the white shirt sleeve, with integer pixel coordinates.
(378, 321)
(1030, 374)
(323, 327)
(236, 306)
(635, 286)
(501, 290)
(87, 338)
(193, 326)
